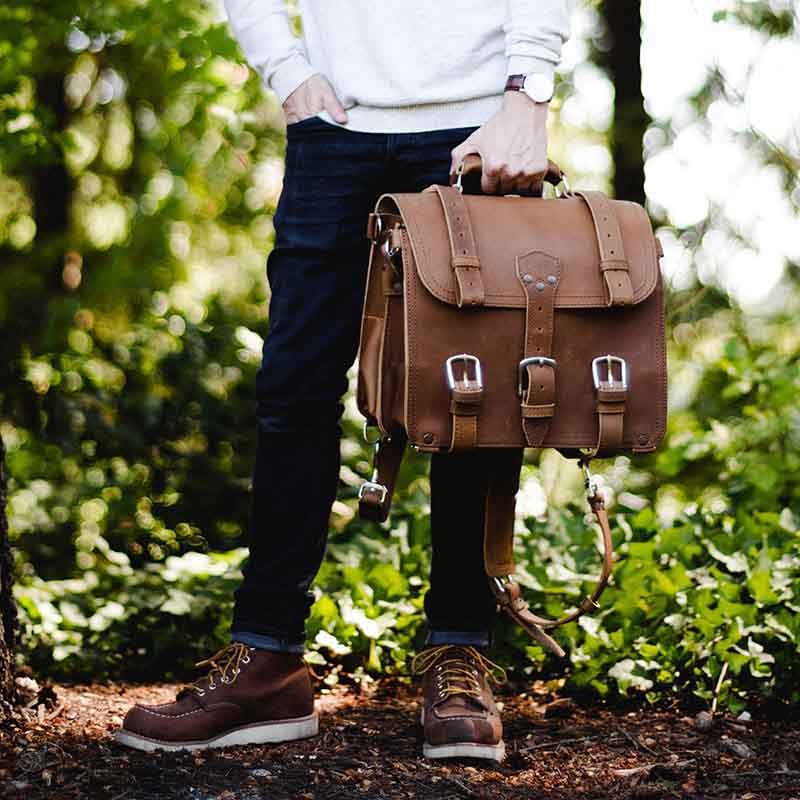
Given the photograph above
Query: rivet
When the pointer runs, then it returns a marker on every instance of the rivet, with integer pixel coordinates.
(551, 279)
(527, 278)
(540, 286)
(427, 438)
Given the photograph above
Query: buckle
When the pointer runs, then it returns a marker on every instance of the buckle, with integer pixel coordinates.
(371, 487)
(522, 370)
(610, 361)
(466, 359)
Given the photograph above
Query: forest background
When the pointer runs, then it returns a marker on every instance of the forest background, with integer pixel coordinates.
(140, 163)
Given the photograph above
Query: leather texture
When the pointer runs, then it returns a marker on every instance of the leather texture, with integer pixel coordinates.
(406, 338)
(458, 702)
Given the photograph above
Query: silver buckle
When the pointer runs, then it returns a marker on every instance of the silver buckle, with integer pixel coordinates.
(369, 487)
(610, 361)
(466, 359)
(522, 369)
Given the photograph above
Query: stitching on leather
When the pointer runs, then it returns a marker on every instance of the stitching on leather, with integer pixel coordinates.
(447, 295)
(167, 716)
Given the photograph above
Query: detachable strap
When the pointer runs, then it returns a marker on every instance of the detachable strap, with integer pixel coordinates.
(375, 495)
(499, 561)
(498, 531)
(538, 274)
(613, 263)
(463, 250)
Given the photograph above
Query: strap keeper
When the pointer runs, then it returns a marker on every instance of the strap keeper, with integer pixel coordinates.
(542, 411)
(616, 264)
(466, 399)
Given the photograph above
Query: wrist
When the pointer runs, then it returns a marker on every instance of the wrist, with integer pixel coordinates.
(520, 102)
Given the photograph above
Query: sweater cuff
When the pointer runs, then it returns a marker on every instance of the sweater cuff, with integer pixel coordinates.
(530, 65)
(289, 75)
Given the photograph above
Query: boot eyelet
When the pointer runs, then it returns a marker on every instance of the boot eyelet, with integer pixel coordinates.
(246, 660)
(212, 686)
(201, 692)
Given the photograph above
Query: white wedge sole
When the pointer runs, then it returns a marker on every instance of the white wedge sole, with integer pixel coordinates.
(285, 730)
(491, 752)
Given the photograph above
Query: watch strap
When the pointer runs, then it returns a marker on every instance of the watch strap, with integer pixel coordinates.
(515, 83)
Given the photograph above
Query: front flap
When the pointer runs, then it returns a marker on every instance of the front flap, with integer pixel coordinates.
(508, 227)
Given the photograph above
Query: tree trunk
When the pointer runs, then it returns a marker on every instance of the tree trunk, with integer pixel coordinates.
(8, 614)
(622, 61)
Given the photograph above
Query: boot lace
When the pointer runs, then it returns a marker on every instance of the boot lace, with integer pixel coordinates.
(225, 664)
(457, 669)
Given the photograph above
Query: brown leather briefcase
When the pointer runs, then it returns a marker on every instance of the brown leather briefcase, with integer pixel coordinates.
(511, 322)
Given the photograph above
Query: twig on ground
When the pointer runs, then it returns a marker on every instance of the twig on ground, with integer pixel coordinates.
(634, 740)
(557, 743)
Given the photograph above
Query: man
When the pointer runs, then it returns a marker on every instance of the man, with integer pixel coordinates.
(378, 97)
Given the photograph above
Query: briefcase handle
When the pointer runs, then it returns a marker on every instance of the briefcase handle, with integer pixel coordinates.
(468, 175)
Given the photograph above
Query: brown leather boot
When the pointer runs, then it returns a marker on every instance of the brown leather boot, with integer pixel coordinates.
(249, 696)
(459, 714)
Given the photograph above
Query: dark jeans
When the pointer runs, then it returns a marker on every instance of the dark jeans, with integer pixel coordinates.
(317, 273)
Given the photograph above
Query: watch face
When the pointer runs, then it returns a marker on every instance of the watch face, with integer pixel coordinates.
(539, 88)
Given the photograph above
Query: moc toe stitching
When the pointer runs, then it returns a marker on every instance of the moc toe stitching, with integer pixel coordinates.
(167, 716)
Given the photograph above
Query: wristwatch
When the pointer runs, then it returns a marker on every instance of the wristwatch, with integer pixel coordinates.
(539, 88)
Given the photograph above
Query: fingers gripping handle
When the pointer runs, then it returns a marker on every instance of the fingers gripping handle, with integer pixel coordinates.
(469, 172)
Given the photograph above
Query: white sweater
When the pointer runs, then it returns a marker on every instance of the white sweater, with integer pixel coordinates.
(407, 65)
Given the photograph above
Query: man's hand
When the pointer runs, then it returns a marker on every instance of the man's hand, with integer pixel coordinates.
(512, 146)
(311, 97)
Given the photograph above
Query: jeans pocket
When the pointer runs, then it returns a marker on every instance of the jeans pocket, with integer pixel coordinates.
(303, 124)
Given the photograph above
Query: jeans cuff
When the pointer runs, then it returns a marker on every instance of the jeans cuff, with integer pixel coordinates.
(464, 638)
(262, 642)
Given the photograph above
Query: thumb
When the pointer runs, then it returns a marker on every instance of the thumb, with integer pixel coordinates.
(466, 148)
(334, 107)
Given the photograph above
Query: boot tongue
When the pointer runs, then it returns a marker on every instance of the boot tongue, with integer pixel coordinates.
(188, 692)
(456, 680)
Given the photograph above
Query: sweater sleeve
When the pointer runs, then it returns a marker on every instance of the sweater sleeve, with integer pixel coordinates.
(265, 36)
(535, 33)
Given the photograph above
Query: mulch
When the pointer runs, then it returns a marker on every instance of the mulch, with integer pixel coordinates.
(370, 747)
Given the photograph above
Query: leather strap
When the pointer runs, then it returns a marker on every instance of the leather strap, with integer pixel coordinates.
(498, 532)
(611, 415)
(375, 496)
(538, 274)
(465, 405)
(463, 250)
(374, 504)
(509, 595)
(613, 263)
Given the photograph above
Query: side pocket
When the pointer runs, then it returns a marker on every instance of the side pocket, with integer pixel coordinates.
(369, 367)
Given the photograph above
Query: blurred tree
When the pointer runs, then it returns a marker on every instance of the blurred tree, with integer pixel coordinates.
(8, 616)
(618, 51)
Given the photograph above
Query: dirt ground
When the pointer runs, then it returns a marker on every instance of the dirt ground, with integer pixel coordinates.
(370, 747)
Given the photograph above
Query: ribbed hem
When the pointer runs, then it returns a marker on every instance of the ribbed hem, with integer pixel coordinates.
(417, 119)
